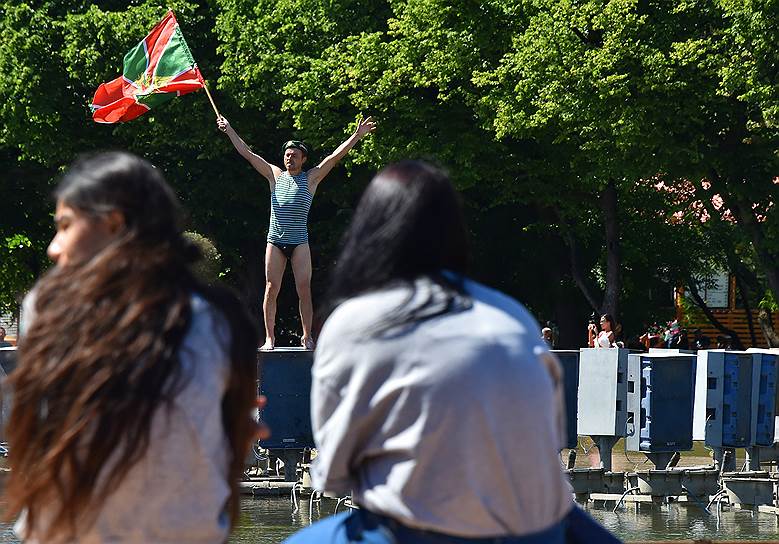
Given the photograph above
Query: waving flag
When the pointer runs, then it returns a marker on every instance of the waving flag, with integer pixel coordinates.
(155, 70)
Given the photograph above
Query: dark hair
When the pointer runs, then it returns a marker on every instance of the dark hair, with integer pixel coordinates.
(110, 181)
(101, 355)
(295, 144)
(607, 317)
(408, 224)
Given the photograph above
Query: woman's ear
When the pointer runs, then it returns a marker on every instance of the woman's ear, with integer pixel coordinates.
(115, 221)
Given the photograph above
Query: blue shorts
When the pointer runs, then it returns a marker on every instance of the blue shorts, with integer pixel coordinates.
(368, 528)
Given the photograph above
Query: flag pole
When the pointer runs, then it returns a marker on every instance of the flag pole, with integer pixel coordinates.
(211, 99)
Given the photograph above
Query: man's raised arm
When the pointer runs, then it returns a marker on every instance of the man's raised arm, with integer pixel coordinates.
(269, 171)
(317, 174)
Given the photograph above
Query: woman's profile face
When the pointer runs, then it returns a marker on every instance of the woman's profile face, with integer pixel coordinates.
(605, 325)
(80, 236)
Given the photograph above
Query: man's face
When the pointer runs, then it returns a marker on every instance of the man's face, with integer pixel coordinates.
(293, 159)
(2, 334)
(79, 236)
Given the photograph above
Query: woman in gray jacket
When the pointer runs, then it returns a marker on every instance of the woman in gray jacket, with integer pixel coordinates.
(434, 400)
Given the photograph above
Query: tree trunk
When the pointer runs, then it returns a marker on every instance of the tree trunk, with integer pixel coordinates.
(747, 307)
(577, 274)
(608, 202)
(710, 315)
(610, 301)
(768, 260)
(746, 218)
(764, 317)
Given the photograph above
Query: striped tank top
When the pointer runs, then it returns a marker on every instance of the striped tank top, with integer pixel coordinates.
(290, 202)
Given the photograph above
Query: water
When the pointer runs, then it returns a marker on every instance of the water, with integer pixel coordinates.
(271, 520)
(678, 522)
(268, 521)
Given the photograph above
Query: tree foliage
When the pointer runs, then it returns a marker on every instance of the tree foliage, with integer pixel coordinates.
(578, 132)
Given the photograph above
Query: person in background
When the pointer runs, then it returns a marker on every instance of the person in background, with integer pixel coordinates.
(135, 389)
(3, 343)
(546, 336)
(679, 340)
(655, 341)
(414, 358)
(603, 338)
(671, 332)
(700, 340)
(636, 343)
(724, 341)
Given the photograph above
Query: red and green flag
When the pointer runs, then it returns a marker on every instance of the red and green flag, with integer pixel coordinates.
(155, 70)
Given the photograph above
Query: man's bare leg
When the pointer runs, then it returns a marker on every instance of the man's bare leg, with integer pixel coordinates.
(275, 263)
(301, 268)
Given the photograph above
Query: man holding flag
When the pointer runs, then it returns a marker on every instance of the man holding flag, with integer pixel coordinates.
(160, 67)
(292, 190)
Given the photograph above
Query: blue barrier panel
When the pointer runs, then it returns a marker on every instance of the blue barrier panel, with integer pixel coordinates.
(569, 360)
(766, 399)
(285, 379)
(737, 401)
(645, 420)
(7, 365)
(666, 402)
(7, 360)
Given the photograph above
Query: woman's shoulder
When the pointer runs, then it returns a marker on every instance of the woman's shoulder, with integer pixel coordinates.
(487, 305)
(499, 305)
(207, 314)
(208, 338)
(362, 311)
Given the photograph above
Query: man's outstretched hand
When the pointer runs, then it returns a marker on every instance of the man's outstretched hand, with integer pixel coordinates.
(365, 126)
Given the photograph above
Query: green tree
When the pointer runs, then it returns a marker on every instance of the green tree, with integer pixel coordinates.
(52, 58)
(623, 90)
(558, 120)
(581, 81)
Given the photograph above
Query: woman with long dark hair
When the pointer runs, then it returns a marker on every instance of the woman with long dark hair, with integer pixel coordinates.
(605, 338)
(434, 400)
(136, 383)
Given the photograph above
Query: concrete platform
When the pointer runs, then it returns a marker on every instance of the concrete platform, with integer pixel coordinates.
(762, 508)
(285, 349)
(614, 497)
(269, 488)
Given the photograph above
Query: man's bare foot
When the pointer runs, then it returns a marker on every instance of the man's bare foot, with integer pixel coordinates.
(268, 345)
(307, 342)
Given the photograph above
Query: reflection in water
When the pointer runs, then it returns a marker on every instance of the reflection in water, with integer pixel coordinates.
(677, 521)
(271, 520)
(268, 521)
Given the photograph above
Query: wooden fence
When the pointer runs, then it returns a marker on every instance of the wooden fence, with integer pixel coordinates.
(731, 317)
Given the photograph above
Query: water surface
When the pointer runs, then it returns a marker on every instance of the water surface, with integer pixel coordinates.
(268, 521)
(271, 520)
